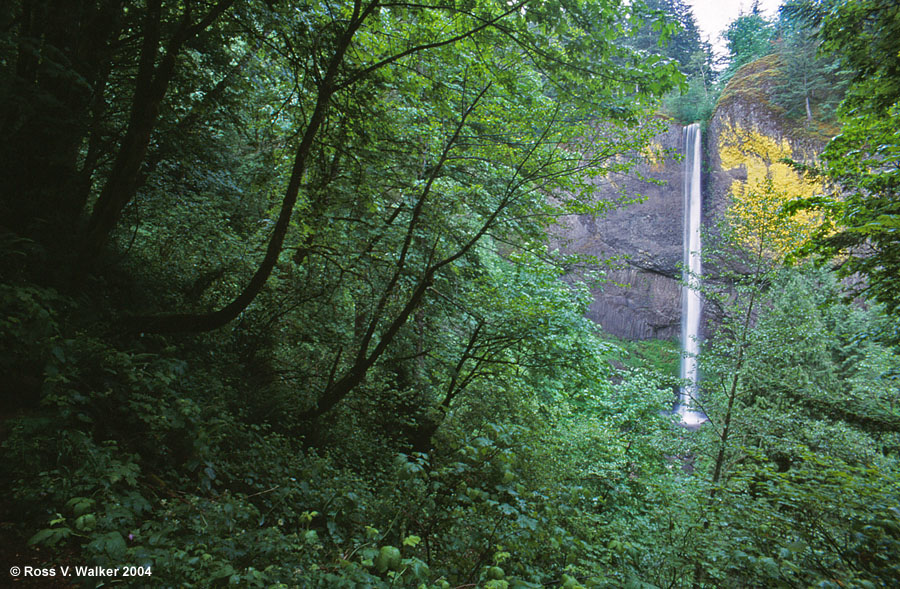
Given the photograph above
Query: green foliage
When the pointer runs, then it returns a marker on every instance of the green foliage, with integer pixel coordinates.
(748, 37)
(862, 35)
(662, 358)
(780, 392)
(862, 213)
(671, 30)
(810, 84)
(794, 480)
(860, 206)
(695, 104)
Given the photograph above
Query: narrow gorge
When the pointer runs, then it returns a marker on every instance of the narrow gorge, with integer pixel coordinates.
(652, 241)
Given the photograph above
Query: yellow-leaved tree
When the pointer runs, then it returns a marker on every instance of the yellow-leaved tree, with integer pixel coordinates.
(756, 214)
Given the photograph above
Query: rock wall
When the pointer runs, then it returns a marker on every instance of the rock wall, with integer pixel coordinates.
(749, 136)
(641, 297)
(744, 143)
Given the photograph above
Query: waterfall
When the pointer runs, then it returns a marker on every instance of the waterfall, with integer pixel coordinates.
(691, 275)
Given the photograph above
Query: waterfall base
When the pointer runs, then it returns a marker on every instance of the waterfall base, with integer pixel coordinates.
(691, 418)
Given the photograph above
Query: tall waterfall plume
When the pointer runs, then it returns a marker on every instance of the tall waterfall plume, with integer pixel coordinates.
(691, 304)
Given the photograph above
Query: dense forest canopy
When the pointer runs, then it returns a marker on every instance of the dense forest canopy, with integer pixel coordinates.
(279, 310)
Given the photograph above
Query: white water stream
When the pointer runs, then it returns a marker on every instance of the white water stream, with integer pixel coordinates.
(691, 304)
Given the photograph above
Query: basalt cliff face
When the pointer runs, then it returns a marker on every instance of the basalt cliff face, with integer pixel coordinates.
(641, 297)
(746, 139)
(749, 137)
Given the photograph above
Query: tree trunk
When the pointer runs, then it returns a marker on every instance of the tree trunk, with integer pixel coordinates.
(191, 322)
(60, 70)
(150, 88)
